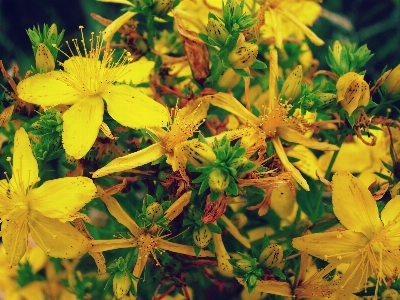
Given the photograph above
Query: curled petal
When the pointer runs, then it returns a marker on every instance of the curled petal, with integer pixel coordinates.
(111, 29)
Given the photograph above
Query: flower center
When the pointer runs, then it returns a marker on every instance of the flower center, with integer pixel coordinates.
(93, 70)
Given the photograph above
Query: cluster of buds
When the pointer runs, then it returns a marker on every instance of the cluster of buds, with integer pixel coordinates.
(120, 276)
(347, 58)
(221, 176)
(235, 18)
(45, 46)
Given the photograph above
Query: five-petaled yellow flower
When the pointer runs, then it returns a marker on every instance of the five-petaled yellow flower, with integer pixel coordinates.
(43, 212)
(172, 143)
(274, 124)
(86, 80)
(371, 242)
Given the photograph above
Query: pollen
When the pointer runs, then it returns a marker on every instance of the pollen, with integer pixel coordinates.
(92, 69)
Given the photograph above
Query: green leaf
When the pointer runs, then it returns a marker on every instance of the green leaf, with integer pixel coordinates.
(257, 64)
(214, 196)
(266, 241)
(214, 228)
(278, 273)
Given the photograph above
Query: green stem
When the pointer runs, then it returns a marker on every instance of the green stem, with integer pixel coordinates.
(382, 105)
(327, 176)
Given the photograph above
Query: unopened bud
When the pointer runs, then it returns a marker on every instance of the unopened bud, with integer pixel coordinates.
(218, 180)
(390, 294)
(52, 35)
(202, 236)
(162, 7)
(393, 83)
(352, 91)
(154, 211)
(217, 31)
(271, 256)
(292, 86)
(121, 284)
(243, 55)
(244, 264)
(199, 154)
(44, 59)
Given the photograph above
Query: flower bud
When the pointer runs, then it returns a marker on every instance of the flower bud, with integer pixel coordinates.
(271, 256)
(162, 7)
(218, 180)
(239, 162)
(352, 91)
(121, 284)
(393, 83)
(217, 31)
(202, 236)
(243, 55)
(199, 154)
(390, 294)
(44, 59)
(34, 36)
(292, 86)
(244, 264)
(194, 213)
(337, 51)
(246, 22)
(52, 35)
(154, 211)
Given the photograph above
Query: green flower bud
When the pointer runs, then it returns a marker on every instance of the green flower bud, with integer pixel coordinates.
(194, 213)
(217, 31)
(390, 294)
(246, 22)
(34, 36)
(52, 35)
(44, 59)
(326, 97)
(202, 236)
(218, 180)
(244, 264)
(121, 284)
(271, 256)
(243, 55)
(252, 280)
(154, 211)
(162, 7)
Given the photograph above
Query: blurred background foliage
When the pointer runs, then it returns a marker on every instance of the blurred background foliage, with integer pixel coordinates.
(375, 23)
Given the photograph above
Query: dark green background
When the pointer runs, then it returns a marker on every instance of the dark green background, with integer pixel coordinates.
(376, 23)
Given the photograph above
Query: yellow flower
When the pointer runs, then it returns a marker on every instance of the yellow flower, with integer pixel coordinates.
(147, 239)
(172, 143)
(352, 91)
(290, 18)
(42, 212)
(84, 83)
(370, 244)
(274, 123)
(393, 82)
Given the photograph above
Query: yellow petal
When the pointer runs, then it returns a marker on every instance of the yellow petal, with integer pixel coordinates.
(119, 213)
(391, 210)
(61, 198)
(307, 163)
(81, 125)
(182, 249)
(15, 238)
(55, 238)
(126, 2)
(354, 205)
(293, 136)
(177, 207)
(111, 29)
(131, 161)
(307, 31)
(333, 245)
(24, 165)
(287, 164)
(232, 105)
(130, 107)
(343, 83)
(136, 72)
(106, 245)
(47, 90)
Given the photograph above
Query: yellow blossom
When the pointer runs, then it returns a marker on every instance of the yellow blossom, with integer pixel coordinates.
(273, 124)
(370, 243)
(41, 211)
(290, 18)
(86, 80)
(172, 143)
(352, 91)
